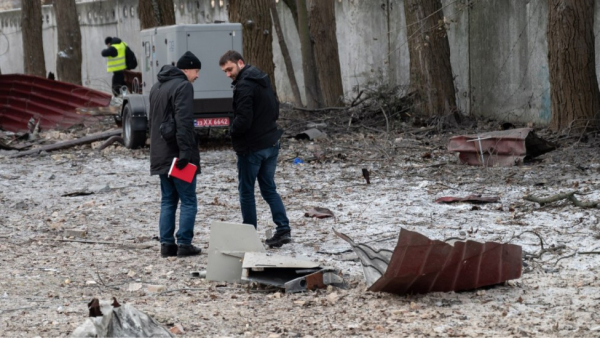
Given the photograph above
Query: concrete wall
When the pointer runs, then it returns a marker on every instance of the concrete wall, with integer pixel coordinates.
(508, 60)
(498, 47)
(97, 19)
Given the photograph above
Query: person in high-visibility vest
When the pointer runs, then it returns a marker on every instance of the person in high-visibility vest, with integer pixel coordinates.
(115, 54)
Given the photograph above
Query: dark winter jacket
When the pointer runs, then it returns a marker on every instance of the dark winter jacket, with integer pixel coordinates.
(256, 109)
(111, 51)
(172, 94)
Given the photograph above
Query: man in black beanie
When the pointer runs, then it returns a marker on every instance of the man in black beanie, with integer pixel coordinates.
(116, 62)
(172, 136)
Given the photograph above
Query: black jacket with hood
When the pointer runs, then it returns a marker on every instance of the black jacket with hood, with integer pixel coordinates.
(112, 51)
(256, 109)
(172, 94)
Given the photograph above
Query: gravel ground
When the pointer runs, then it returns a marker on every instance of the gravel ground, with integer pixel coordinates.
(48, 202)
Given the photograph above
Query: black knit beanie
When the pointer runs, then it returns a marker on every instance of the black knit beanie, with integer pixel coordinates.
(189, 61)
(108, 40)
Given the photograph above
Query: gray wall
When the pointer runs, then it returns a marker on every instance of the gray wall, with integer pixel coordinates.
(498, 48)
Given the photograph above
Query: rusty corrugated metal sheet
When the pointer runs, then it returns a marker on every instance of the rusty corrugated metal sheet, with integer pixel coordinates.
(499, 148)
(420, 265)
(52, 102)
(503, 148)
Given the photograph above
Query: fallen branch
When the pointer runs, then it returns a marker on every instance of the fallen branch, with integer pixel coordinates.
(354, 102)
(116, 138)
(578, 253)
(71, 143)
(320, 109)
(24, 308)
(125, 245)
(184, 289)
(567, 195)
(334, 253)
(543, 250)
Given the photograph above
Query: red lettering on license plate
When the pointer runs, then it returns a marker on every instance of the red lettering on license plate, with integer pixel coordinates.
(212, 122)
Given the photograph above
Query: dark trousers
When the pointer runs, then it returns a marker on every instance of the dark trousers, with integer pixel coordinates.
(172, 191)
(118, 81)
(261, 166)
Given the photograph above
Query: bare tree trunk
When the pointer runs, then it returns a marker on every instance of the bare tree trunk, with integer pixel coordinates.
(286, 55)
(155, 13)
(255, 17)
(574, 90)
(33, 48)
(325, 49)
(68, 61)
(430, 70)
(311, 85)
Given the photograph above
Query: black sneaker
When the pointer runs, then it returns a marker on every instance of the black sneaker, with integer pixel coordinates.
(280, 238)
(188, 250)
(168, 250)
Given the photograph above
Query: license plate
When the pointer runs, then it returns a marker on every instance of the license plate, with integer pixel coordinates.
(212, 122)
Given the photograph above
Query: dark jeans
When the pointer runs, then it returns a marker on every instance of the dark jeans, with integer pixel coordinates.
(118, 81)
(260, 165)
(173, 190)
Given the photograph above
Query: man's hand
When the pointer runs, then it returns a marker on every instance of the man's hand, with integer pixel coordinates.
(181, 163)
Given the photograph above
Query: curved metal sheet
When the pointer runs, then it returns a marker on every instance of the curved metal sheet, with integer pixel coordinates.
(51, 102)
(420, 265)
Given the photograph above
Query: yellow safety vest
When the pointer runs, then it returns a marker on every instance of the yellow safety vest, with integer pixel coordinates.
(115, 64)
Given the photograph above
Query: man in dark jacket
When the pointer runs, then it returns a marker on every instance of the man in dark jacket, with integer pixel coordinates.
(255, 139)
(115, 54)
(171, 104)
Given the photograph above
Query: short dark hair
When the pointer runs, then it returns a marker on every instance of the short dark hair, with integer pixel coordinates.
(108, 40)
(230, 55)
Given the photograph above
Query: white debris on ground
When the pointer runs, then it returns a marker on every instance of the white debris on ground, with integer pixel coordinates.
(61, 248)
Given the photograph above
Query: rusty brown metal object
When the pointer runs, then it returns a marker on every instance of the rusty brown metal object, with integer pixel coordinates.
(420, 265)
(94, 307)
(499, 148)
(53, 103)
(133, 81)
(365, 173)
(315, 281)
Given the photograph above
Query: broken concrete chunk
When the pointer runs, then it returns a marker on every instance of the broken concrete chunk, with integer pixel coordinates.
(134, 287)
(310, 134)
(226, 247)
(420, 265)
(78, 233)
(156, 288)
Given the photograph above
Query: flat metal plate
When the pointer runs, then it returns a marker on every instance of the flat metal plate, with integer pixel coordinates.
(266, 260)
(226, 238)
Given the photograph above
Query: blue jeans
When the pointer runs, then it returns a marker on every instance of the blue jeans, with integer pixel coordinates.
(173, 190)
(260, 165)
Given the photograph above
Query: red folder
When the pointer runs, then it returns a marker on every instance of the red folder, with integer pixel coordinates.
(186, 174)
